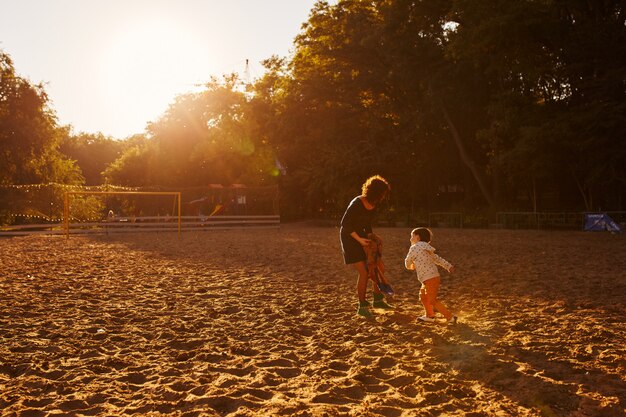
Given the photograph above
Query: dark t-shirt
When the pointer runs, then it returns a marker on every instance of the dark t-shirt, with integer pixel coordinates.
(356, 219)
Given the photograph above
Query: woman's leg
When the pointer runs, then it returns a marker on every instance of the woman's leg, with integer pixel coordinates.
(361, 284)
(361, 289)
(432, 289)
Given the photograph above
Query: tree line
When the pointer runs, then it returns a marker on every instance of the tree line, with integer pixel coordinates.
(472, 106)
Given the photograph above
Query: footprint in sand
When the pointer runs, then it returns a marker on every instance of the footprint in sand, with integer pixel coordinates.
(134, 378)
(387, 411)
(281, 366)
(386, 362)
(328, 398)
(32, 412)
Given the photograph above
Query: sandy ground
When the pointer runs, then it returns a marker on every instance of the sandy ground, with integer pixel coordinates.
(262, 322)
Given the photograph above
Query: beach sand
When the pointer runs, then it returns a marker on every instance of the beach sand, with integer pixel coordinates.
(262, 322)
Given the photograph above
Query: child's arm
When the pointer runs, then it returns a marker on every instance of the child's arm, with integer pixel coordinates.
(443, 263)
(408, 261)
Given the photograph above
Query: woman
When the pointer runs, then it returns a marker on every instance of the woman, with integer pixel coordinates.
(355, 225)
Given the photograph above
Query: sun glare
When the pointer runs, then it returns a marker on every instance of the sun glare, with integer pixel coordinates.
(147, 66)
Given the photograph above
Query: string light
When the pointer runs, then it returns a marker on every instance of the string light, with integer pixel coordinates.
(33, 204)
(69, 187)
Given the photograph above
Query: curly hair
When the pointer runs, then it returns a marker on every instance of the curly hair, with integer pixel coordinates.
(375, 189)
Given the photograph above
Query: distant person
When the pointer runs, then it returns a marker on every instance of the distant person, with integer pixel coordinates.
(422, 259)
(355, 226)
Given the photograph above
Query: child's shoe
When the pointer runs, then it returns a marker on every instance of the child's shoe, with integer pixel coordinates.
(426, 319)
(453, 320)
(379, 302)
(385, 288)
(364, 309)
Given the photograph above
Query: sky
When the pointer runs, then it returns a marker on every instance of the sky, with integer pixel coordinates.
(112, 66)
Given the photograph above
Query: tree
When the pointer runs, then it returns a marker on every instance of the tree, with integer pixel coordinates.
(136, 166)
(29, 135)
(331, 123)
(559, 74)
(202, 138)
(440, 100)
(497, 96)
(93, 153)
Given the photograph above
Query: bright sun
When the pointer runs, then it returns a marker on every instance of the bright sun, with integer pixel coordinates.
(146, 66)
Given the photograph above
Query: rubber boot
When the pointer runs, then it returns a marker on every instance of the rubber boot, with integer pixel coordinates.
(364, 309)
(379, 302)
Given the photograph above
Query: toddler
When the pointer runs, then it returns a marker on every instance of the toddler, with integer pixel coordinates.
(423, 260)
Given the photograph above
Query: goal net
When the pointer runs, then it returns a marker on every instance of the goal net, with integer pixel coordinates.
(65, 209)
(117, 211)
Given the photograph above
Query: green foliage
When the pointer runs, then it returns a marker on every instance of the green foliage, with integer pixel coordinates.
(556, 114)
(93, 153)
(29, 135)
(507, 101)
(135, 167)
(509, 98)
(87, 208)
(326, 112)
(203, 138)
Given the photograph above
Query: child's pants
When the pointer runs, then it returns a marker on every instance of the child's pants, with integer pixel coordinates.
(428, 296)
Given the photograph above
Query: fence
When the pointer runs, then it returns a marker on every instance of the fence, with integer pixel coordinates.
(39, 208)
(518, 220)
(144, 224)
(549, 220)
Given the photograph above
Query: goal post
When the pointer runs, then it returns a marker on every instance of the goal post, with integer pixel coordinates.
(67, 200)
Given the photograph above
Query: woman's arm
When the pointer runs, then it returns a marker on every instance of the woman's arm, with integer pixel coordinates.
(347, 223)
(362, 241)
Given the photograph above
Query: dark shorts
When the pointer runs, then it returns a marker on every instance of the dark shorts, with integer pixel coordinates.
(352, 250)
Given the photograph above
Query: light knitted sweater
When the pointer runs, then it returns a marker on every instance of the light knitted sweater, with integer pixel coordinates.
(423, 259)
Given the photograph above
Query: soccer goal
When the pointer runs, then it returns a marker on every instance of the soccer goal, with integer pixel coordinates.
(73, 209)
(121, 211)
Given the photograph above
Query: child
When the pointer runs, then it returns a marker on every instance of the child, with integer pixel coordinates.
(423, 260)
(376, 267)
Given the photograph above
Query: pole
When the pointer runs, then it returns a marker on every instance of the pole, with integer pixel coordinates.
(66, 211)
